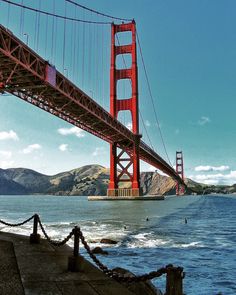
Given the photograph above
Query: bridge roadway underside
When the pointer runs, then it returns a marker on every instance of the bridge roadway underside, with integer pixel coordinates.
(25, 74)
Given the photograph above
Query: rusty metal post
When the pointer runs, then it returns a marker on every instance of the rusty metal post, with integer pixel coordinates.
(35, 237)
(74, 261)
(174, 280)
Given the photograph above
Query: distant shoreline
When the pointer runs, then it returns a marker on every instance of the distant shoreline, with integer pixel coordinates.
(93, 180)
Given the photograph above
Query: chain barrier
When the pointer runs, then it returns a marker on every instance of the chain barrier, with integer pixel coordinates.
(117, 276)
(104, 268)
(53, 242)
(109, 272)
(17, 224)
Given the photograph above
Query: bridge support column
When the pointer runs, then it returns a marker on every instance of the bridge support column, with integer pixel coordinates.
(113, 163)
(180, 189)
(124, 160)
(136, 167)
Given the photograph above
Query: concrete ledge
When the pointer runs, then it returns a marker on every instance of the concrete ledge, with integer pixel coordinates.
(42, 270)
(140, 198)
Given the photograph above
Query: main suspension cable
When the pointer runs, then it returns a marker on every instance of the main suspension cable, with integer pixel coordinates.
(98, 12)
(56, 15)
(152, 100)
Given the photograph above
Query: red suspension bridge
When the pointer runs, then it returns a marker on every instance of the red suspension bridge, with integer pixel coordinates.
(27, 75)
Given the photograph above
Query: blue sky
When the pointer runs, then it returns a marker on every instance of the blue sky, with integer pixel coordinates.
(189, 47)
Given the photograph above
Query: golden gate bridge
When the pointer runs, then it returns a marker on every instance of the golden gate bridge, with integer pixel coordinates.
(35, 39)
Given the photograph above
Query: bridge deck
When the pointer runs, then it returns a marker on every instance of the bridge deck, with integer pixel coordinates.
(26, 75)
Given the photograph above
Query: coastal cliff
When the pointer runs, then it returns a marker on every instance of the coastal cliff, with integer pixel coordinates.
(90, 180)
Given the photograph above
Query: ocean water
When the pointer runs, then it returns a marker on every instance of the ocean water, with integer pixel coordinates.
(205, 246)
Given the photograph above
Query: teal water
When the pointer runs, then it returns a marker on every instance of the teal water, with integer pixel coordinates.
(205, 246)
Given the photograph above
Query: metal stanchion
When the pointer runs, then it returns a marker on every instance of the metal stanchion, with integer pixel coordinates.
(35, 237)
(75, 260)
(174, 280)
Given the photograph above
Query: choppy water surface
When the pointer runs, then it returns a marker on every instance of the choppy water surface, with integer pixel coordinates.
(205, 246)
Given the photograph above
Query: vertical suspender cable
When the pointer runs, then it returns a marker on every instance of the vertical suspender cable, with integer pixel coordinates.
(97, 60)
(94, 58)
(53, 35)
(21, 18)
(55, 41)
(64, 40)
(46, 36)
(72, 55)
(35, 29)
(102, 67)
(90, 52)
(74, 47)
(8, 14)
(83, 56)
(38, 27)
(77, 51)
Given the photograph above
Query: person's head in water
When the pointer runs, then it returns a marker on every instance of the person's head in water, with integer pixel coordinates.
(147, 219)
(185, 220)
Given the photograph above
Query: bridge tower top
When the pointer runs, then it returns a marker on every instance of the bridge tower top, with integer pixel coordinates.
(118, 104)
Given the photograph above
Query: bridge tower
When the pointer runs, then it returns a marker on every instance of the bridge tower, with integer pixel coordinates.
(124, 163)
(180, 189)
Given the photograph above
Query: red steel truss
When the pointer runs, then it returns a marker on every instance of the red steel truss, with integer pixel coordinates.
(180, 189)
(26, 75)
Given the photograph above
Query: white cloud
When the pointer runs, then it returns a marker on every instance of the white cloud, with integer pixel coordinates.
(6, 154)
(203, 120)
(63, 147)
(8, 135)
(147, 123)
(98, 151)
(71, 131)
(129, 125)
(211, 168)
(218, 178)
(6, 164)
(31, 148)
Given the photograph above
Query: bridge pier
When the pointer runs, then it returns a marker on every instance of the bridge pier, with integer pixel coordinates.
(124, 192)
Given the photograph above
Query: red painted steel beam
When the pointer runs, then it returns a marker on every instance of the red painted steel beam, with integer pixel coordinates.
(24, 74)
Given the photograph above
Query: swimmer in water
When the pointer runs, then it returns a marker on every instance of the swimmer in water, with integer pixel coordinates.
(185, 220)
(147, 219)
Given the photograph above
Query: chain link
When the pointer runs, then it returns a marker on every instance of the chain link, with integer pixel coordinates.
(53, 242)
(17, 224)
(117, 276)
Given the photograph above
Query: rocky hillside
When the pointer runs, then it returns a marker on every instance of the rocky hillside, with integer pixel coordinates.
(90, 180)
(87, 180)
